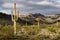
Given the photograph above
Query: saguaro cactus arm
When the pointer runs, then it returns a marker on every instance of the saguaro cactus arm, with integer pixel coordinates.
(17, 15)
(12, 16)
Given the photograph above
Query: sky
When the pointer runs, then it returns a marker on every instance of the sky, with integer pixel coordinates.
(31, 6)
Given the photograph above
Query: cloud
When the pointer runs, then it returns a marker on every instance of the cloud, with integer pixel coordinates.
(32, 6)
(6, 11)
(41, 3)
(11, 5)
(57, 1)
(46, 3)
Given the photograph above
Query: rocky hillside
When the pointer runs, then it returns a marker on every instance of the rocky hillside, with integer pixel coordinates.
(30, 19)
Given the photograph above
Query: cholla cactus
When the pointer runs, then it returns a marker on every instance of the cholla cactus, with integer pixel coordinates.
(14, 17)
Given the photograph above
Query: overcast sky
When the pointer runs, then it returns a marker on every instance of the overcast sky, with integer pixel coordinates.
(31, 6)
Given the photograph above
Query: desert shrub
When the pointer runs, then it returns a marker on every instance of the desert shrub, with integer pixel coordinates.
(43, 25)
(51, 29)
(31, 30)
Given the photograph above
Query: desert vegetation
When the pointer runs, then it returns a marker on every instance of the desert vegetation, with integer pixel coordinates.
(29, 28)
(31, 32)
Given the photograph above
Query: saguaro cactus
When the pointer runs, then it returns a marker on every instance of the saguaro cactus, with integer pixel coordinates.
(38, 19)
(14, 17)
(26, 23)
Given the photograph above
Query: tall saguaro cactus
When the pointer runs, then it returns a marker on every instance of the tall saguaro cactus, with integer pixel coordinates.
(14, 17)
(38, 19)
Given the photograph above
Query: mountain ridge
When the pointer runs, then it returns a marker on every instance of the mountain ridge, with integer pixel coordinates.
(30, 19)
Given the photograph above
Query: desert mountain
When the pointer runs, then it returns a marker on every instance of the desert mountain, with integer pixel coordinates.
(5, 19)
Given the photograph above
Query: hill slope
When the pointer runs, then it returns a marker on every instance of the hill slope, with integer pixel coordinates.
(30, 19)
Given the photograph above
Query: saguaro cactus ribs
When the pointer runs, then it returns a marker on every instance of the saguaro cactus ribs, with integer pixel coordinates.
(14, 17)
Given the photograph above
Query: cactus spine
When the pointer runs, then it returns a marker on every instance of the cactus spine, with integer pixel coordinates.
(14, 17)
